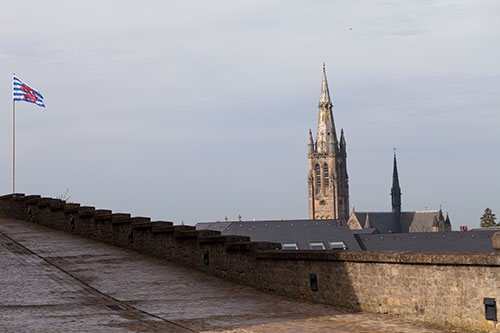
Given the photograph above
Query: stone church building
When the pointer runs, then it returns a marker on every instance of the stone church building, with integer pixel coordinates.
(398, 221)
(327, 180)
(328, 187)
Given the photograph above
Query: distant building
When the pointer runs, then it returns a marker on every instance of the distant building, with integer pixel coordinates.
(328, 187)
(398, 221)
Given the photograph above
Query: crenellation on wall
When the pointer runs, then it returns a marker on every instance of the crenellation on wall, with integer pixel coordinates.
(187, 233)
(120, 224)
(140, 219)
(141, 225)
(57, 204)
(120, 218)
(85, 224)
(44, 215)
(103, 225)
(58, 215)
(86, 211)
(71, 207)
(438, 288)
(102, 214)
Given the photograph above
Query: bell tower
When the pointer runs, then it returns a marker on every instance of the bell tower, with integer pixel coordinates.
(328, 187)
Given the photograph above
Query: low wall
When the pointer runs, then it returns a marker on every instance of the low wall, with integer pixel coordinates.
(443, 289)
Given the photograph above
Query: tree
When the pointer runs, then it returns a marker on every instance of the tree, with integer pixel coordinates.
(488, 218)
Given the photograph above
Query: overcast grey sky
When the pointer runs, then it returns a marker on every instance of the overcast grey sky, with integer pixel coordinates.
(193, 110)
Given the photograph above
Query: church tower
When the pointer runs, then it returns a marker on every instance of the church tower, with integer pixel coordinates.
(328, 186)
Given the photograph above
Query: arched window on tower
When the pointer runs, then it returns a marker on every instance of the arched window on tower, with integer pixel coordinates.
(326, 175)
(317, 174)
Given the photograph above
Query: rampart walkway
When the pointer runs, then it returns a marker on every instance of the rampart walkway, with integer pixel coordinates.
(51, 281)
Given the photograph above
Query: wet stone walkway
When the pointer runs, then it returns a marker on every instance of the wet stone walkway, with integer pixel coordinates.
(51, 281)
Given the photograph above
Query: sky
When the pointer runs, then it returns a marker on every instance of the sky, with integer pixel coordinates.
(196, 110)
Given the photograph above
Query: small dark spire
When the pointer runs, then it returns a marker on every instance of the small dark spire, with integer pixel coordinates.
(342, 141)
(395, 190)
(447, 222)
(436, 222)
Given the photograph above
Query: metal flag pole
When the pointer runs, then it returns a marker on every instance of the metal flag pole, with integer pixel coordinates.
(13, 142)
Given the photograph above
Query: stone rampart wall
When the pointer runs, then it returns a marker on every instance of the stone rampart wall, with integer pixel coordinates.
(438, 288)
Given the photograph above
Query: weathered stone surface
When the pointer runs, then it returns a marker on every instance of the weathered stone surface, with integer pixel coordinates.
(438, 288)
(58, 282)
(496, 241)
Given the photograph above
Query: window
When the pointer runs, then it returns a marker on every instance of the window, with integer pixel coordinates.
(325, 175)
(317, 246)
(317, 171)
(338, 246)
(289, 246)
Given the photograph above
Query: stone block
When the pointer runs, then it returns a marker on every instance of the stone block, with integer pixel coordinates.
(495, 240)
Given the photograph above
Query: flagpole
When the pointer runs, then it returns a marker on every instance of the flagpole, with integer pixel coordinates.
(13, 143)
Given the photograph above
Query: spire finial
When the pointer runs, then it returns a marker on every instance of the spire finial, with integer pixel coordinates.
(394, 149)
(325, 92)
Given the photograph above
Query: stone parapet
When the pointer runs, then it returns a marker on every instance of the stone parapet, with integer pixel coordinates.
(444, 289)
(407, 258)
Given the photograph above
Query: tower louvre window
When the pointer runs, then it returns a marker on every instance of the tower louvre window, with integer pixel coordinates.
(317, 171)
(326, 175)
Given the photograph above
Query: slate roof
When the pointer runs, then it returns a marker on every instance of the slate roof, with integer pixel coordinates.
(366, 231)
(301, 232)
(419, 221)
(451, 241)
(216, 226)
(384, 222)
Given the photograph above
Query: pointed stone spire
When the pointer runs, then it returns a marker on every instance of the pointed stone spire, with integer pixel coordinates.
(325, 92)
(326, 126)
(395, 190)
(310, 145)
(367, 222)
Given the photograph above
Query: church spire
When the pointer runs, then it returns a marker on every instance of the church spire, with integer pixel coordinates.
(395, 190)
(325, 100)
(326, 126)
(328, 183)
